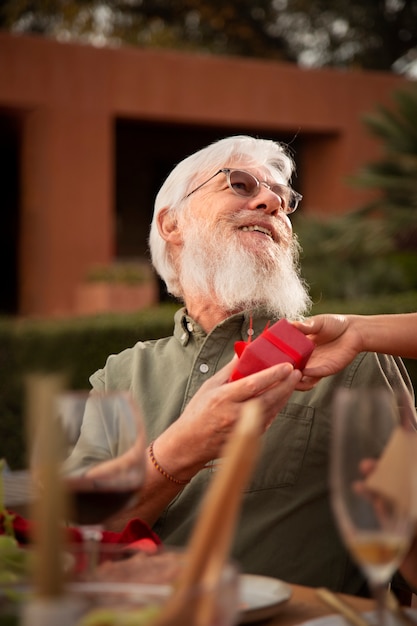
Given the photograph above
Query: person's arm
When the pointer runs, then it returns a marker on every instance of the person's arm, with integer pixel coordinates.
(201, 431)
(339, 338)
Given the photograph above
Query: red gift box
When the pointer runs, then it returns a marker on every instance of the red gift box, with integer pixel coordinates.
(281, 343)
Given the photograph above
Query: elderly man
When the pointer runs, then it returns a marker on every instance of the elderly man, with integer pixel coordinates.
(222, 241)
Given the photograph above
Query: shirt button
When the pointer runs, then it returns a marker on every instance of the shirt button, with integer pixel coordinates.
(204, 368)
(190, 327)
(250, 332)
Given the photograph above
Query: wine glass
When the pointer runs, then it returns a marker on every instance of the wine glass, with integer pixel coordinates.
(372, 481)
(103, 443)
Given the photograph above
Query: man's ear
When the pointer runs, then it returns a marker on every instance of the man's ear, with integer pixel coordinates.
(168, 226)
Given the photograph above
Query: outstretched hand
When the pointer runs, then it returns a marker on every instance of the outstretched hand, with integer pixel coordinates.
(337, 344)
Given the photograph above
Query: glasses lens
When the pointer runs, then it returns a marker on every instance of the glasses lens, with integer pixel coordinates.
(292, 203)
(243, 183)
(285, 193)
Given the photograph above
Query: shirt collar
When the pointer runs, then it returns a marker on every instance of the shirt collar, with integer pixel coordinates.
(185, 326)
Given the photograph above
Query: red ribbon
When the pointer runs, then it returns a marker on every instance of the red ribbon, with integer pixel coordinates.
(284, 347)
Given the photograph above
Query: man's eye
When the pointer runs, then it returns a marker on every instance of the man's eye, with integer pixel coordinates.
(240, 185)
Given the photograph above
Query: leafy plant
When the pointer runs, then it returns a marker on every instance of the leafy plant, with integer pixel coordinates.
(353, 256)
(394, 176)
(373, 249)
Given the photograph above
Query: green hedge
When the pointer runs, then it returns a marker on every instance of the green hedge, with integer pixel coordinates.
(392, 303)
(77, 347)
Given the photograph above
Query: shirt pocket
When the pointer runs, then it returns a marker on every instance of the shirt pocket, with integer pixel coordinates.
(284, 447)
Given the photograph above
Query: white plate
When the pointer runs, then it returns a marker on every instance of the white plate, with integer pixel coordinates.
(261, 597)
(338, 620)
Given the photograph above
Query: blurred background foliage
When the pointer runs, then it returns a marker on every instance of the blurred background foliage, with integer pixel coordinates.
(372, 250)
(374, 35)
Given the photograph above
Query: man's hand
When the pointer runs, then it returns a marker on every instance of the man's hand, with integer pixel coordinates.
(199, 434)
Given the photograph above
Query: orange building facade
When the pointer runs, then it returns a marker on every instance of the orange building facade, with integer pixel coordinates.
(87, 136)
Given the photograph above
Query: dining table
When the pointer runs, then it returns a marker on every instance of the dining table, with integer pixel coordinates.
(304, 605)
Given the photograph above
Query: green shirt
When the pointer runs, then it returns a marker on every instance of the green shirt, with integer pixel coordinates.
(286, 527)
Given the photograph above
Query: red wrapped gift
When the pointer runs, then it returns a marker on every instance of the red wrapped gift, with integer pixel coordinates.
(281, 343)
(137, 534)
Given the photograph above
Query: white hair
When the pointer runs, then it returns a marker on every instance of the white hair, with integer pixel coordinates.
(193, 170)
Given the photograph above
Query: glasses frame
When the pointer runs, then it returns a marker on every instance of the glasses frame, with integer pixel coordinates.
(294, 196)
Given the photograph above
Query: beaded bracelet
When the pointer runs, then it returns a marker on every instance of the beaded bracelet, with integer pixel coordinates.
(161, 470)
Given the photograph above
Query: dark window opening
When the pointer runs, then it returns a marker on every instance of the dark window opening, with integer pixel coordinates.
(10, 127)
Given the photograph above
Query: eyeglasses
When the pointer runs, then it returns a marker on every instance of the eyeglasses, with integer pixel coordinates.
(248, 186)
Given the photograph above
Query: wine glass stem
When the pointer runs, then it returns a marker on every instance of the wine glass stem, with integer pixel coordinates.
(379, 591)
(92, 536)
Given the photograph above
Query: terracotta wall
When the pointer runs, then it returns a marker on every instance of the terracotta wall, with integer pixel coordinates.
(69, 97)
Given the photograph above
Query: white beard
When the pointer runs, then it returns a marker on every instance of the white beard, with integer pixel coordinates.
(221, 268)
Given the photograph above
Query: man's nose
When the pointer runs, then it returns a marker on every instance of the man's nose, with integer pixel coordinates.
(267, 201)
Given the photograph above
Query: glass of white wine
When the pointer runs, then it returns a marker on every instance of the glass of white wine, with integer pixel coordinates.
(373, 481)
